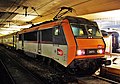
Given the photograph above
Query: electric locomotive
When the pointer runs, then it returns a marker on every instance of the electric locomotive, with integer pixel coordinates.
(73, 42)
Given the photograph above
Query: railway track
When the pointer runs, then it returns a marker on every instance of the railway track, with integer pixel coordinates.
(94, 80)
(49, 75)
(20, 74)
(5, 76)
(41, 71)
(105, 79)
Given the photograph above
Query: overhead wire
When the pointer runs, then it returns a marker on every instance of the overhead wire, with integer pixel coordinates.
(9, 12)
(12, 12)
(45, 4)
(12, 5)
(80, 3)
(69, 6)
(2, 9)
(38, 8)
(35, 9)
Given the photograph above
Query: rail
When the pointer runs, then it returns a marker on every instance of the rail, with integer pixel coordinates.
(5, 76)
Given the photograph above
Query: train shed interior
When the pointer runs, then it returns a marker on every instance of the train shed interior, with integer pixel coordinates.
(17, 15)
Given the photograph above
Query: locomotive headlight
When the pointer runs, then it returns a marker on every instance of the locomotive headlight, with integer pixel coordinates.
(80, 52)
(100, 51)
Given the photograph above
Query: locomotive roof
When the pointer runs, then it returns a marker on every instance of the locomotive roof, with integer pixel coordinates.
(70, 18)
(50, 23)
(78, 20)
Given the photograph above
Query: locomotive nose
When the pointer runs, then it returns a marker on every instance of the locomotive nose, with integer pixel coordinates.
(90, 47)
(90, 43)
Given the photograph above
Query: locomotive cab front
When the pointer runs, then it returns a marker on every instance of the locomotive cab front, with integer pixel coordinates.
(88, 40)
(86, 47)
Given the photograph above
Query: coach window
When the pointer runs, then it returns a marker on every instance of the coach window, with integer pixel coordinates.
(30, 36)
(59, 37)
(47, 35)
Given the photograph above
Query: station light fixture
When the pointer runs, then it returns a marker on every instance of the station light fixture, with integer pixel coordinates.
(24, 18)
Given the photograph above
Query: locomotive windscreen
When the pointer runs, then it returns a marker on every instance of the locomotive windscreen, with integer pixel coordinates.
(85, 30)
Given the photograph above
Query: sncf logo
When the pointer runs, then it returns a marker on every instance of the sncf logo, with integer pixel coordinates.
(59, 52)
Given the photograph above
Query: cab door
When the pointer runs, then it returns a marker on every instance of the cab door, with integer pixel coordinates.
(59, 45)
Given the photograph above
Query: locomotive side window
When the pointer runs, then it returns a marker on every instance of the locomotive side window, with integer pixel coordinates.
(59, 37)
(47, 35)
(31, 36)
(85, 30)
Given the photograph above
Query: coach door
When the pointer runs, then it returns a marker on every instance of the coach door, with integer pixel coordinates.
(20, 41)
(59, 45)
(39, 40)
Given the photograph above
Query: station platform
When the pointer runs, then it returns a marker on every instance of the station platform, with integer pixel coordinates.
(112, 71)
(115, 59)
